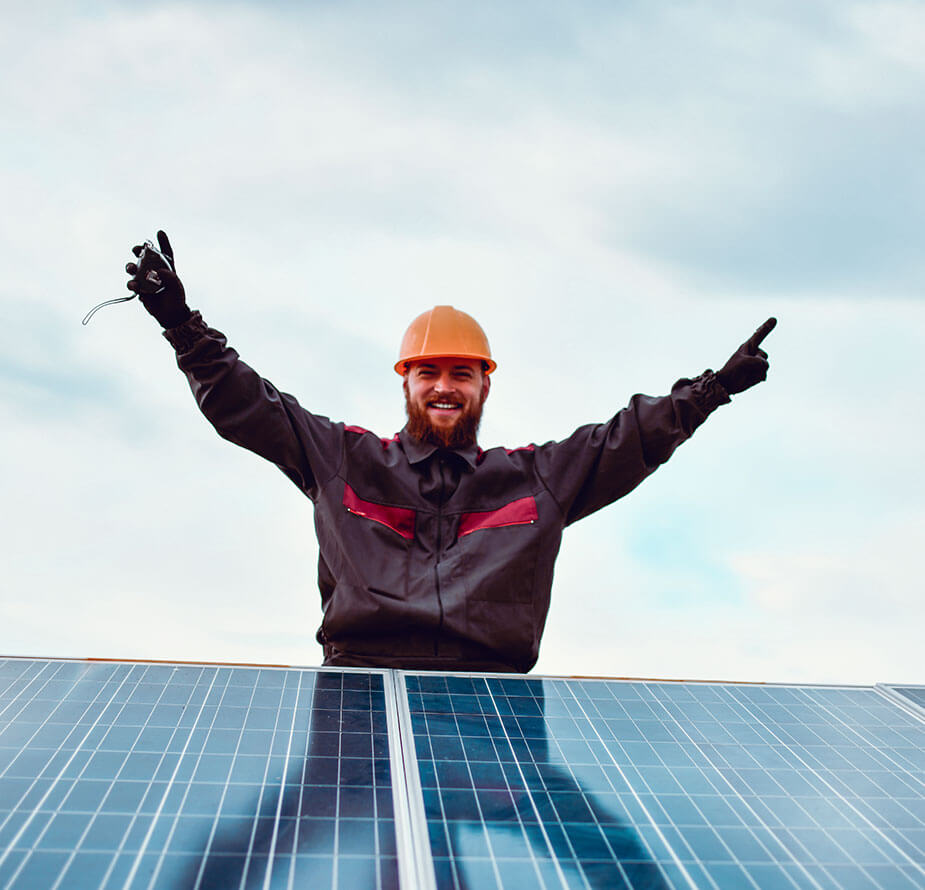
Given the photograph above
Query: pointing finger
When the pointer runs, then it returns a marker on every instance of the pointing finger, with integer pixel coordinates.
(164, 243)
(759, 335)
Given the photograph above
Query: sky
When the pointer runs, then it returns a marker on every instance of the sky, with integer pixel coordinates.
(619, 193)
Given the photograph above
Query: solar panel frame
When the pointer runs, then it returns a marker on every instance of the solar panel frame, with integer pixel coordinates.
(421, 874)
(413, 856)
(909, 695)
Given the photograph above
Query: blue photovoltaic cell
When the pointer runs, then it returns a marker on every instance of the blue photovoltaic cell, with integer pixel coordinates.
(913, 693)
(592, 784)
(150, 776)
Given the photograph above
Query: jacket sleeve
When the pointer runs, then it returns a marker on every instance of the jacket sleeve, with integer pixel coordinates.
(249, 411)
(600, 463)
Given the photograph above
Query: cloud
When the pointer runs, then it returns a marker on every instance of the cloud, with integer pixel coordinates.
(710, 143)
(835, 612)
(620, 195)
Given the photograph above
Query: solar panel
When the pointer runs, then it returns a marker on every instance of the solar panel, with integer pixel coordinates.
(132, 775)
(157, 776)
(569, 783)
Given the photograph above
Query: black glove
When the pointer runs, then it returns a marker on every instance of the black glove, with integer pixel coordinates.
(156, 283)
(749, 364)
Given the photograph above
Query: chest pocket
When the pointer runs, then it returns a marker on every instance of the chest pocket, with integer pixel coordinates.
(399, 519)
(519, 512)
(500, 552)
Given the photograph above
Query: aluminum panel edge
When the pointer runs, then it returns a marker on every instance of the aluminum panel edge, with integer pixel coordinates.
(897, 698)
(415, 860)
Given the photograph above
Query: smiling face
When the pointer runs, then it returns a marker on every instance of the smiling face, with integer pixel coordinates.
(443, 400)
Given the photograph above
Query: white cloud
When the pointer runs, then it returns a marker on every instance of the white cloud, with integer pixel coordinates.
(894, 32)
(866, 579)
(846, 615)
(619, 196)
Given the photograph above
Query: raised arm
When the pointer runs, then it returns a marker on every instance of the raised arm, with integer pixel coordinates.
(242, 406)
(600, 463)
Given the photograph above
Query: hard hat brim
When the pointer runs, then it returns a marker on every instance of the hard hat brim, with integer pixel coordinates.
(401, 366)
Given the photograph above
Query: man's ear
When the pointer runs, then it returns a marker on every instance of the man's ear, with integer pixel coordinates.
(486, 385)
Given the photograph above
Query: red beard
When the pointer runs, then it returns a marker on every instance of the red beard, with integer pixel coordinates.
(462, 434)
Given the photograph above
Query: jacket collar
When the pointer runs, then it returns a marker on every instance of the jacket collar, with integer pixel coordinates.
(418, 451)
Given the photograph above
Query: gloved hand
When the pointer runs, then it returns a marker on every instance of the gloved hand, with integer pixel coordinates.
(748, 364)
(156, 283)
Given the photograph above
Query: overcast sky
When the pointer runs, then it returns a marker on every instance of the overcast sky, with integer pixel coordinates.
(620, 193)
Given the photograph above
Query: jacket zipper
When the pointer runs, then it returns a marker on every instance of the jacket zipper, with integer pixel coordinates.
(375, 519)
(437, 562)
(499, 525)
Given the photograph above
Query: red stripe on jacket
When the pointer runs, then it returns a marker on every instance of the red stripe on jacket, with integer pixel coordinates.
(399, 519)
(519, 512)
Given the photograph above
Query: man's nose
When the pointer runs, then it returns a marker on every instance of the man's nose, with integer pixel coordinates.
(443, 384)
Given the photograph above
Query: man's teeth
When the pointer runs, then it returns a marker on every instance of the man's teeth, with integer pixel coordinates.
(444, 405)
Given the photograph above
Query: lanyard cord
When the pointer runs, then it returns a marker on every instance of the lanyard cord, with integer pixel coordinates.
(89, 315)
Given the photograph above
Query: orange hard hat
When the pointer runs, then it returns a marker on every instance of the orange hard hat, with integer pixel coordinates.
(444, 332)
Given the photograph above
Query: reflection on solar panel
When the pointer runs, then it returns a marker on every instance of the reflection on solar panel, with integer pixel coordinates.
(154, 776)
(567, 783)
(121, 775)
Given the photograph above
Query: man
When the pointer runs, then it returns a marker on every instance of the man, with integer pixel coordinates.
(434, 554)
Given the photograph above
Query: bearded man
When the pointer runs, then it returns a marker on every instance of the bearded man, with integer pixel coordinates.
(434, 554)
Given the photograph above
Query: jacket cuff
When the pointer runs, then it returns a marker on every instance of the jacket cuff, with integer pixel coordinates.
(184, 336)
(709, 393)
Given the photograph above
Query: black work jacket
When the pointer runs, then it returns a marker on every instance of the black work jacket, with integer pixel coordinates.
(432, 558)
